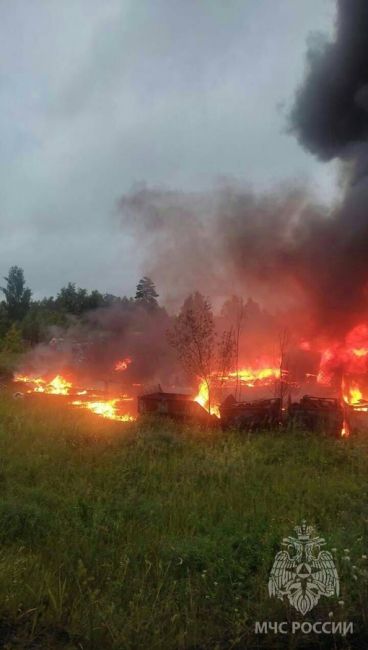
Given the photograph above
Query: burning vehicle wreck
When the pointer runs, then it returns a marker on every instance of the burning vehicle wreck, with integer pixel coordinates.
(321, 414)
(178, 406)
(251, 415)
(318, 414)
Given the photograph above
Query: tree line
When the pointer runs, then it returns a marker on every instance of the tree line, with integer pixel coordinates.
(25, 321)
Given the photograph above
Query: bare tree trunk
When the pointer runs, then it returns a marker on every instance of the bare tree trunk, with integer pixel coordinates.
(283, 370)
(237, 362)
(209, 395)
(238, 328)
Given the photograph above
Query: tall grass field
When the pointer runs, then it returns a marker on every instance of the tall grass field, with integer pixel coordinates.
(152, 536)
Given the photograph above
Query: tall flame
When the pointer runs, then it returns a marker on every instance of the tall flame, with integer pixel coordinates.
(203, 398)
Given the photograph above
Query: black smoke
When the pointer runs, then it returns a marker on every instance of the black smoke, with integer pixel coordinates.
(330, 119)
(330, 113)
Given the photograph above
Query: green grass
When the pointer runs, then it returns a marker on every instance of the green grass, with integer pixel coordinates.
(149, 536)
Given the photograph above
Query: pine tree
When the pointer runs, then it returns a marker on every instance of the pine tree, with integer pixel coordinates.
(17, 295)
(146, 294)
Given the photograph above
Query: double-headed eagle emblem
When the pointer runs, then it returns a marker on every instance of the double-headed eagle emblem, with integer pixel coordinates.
(303, 572)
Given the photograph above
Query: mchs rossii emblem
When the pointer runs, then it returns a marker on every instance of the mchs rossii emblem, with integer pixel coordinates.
(303, 572)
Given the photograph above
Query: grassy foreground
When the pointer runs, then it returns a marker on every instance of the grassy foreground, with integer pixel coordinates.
(147, 536)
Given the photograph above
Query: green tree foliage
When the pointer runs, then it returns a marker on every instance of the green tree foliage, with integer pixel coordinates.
(13, 341)
(17, 295)
(146, 294)
(4, 320)
(32, 326)
(34, 318)
(35, 326)
(75, 300)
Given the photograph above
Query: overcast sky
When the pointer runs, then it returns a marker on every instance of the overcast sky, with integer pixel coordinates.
(97, 95)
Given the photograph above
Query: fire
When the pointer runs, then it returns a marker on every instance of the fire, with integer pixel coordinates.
(347, 358)
(109, 408)
(57, 386)
(261, 375)
(253, 376)
(360, 352)
(349, 361)
(122, 364)
(343, 370)
(352, 394)
(345, 431)
(202, 398)
(37, 382)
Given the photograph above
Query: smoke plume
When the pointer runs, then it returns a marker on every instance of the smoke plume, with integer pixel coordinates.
(282, 247)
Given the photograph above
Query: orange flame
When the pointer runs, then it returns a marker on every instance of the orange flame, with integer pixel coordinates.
(352, 394)
(60, 386)
(253, 376)
(345, 431)
(122, 364)
(348, 358)
(261, 375)
(202, 398)
(57, 386)
(106, 408)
